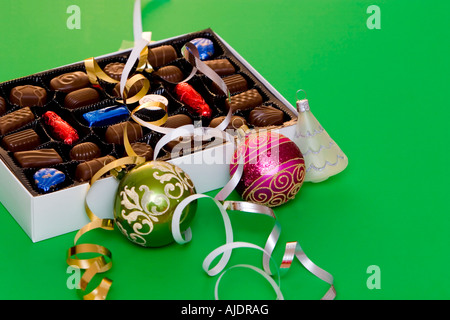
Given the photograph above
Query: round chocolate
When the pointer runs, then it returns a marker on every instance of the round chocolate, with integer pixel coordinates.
(28, 96)
(85, 151)
(114, 70)
(70, 81)
(265, 116)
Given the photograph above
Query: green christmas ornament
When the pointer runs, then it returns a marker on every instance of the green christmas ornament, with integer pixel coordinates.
(146, 200)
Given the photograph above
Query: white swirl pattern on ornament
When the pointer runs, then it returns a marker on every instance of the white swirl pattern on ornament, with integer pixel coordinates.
(172, 172)
(140, 208)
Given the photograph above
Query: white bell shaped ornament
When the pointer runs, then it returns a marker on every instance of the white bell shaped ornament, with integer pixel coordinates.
(323, 157)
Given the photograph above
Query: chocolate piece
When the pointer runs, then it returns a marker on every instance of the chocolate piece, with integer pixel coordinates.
(245, 100)
(162, 55)
(114, 133)
(23, 140)
(134, 89)
(85, 151)
(37, 158)
(222, 67)
(143, 150)
(192, 99)
(28, 96)
(60, 128)
(2, 106)
(114, 70)
(106, 116)
(204, 46)
(86, 170)
(235, 122)
(235, 83)
(265, 116)
(48, 178)
(15, 120)
(70, 81)
(177, 120)
(170, 73)
(81, 97)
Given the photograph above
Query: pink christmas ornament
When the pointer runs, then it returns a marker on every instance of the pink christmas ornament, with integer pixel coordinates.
(273, 170)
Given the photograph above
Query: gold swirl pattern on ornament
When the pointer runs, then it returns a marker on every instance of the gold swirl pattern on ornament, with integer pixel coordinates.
(273, 190)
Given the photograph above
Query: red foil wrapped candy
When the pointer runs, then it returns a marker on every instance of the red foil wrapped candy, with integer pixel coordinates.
(189, 96)
(61, 129)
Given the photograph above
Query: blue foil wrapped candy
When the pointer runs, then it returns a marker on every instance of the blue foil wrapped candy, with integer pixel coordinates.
(204, 46)
(47, 178)
(106, 116)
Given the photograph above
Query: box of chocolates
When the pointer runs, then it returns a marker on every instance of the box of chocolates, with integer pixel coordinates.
(57, 129)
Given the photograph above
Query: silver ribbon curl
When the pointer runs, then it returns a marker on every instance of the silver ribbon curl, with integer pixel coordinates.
(193, 57)
(292, 250)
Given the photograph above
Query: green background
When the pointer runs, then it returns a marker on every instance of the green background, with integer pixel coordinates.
(380, 94)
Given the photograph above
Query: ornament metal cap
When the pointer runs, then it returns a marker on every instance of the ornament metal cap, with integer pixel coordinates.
(242, 131)
(302, 104)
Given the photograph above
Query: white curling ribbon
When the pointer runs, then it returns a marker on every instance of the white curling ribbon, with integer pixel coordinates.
(176, 220)
(293, 249)
(261, 272)
(141, 39)
(248, 207)
(134, 56)
(228, 248)
(187, 130)
(323, 157)
(193, 58)
(178, 237)
(137, 21)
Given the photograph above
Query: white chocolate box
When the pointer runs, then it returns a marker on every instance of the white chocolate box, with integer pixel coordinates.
(56, 213)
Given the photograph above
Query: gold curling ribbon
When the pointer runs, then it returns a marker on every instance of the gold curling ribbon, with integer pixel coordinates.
(98, 264)
(94, 73)
(149, 124)
(143, 64)
(130, 82)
